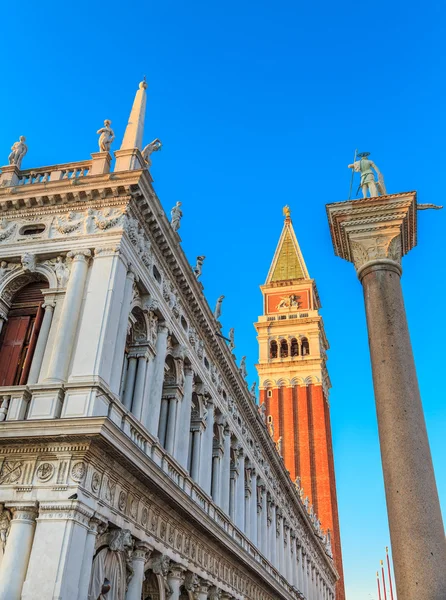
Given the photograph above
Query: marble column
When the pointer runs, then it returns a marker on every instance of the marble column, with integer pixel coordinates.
(207, 445)
(216, 476)
(42, 340)
(149, 377)
(122, 331)
(18, 549)
(232, 496)
(415, 521)
(202, 590)
(132, 364)
(156, 387)
(196, 454)
(182, 435)
(264, 523)
(140, 554)
(163, 421)
(273, 539)
(281, 548)
(253, 510)
(288, 555)
(171, 424)
(139, 389)
(62, 526)
(96, 526)
(248, 503)
(240, 493)
(69, 318)
(175, 579)
(226, 470)
(260, 494)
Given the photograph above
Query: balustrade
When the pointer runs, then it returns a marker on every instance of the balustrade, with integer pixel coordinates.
(70, 171)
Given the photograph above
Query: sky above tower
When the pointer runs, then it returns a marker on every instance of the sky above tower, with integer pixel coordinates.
(259, 105)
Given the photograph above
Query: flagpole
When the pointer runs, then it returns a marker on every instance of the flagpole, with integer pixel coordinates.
(390, 574)
(384, 580)
(379, 589)
(353, 173)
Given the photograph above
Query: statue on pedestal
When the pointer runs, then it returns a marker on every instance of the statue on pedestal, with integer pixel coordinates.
(198, 266)
(217, 311)
(365, 167)
(175, 216)
(18, 151)
(231, 339)
(106, 136)
(242, 367)
(152, 147)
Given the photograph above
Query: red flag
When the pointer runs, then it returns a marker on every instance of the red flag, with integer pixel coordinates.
(379, 589)
(384, 580)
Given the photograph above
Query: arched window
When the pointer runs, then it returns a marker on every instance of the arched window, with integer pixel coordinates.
(19, 334)
(273, 349)
(294, 347)
(305, 347)
(283, 349)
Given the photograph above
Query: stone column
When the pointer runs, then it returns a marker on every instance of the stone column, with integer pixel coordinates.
(69, 318)
(130, 382)
(118, 356)
(273, 539)
(163, 421)
(202, 590)
(175, 579)
(171, 425)
(240, 493)
(415, 522)
(253, 510)
(281, 548)
(140, 382)
(62, 525)
(42, 340)
(264, 523)
(139, 557)
(248, 503)
(225, 470)
(182, 435)
(216, 476)
(260, 494)
(232, 488)
(18, 549)
(288, 555)
(149, 377)
(156, 387)
(96, 526)
(206, 444)
(196, 454)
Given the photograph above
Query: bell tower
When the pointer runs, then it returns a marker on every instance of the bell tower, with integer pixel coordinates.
(294, 382)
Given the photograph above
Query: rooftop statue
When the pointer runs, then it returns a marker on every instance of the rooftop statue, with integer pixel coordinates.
(287, 212)
(231, 339)
(106, 136)
(18, 151)
(176, 213)
(198, 266)
(242, 367)
(152, 147)
(365, 167)
(217, 311)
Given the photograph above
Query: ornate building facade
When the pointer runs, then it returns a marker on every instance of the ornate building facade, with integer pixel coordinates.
(294, 383)
(134, 462)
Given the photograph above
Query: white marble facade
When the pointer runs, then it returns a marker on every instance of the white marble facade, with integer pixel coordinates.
(134, 450)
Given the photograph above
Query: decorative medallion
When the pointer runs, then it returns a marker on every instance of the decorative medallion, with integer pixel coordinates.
(134, 508)
(45, 471)
(179, 541)
(122, 501)
(95, 482)
(78, 471)
(144, 516)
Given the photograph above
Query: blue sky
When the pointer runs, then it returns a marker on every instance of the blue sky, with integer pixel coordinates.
(261, 104)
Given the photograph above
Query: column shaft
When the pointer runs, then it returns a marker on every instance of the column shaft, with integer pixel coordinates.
(240, 496)
(171, 425)
(216, 479)
(17, 552)
(42, 340)
(253, 511)
(122, 332)
(182, 435)
(134, 589)
(207, 444)
(156, 387)
(196, 452)
(69, 318)
(163, 421)
(226, 472)
(416, 526)
(232, 486)
(138, 392)
(130, 382)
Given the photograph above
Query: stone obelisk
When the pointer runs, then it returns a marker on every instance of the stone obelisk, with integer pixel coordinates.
(374, 233)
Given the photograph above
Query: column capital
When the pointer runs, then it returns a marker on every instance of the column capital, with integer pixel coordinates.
(64, 510)
(106, 251)
(378, 230)
(163, 329)
(142, 551)
(82, 254)
(23, 511)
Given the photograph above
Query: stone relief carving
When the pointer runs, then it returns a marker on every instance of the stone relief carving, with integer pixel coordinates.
(11, 472)
(29, 262)
(7, 228)
(112, 562)
(5, 525)
(45, 471)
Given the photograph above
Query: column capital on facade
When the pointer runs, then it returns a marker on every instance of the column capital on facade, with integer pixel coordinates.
(188, 371)
(177, 572)
(62, 510)
(23, 511)
(142, 551)
(371, 231)
(163, 329)
(81, 254)
(98, 525)
(103, 251)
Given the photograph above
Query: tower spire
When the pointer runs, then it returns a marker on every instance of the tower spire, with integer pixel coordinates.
(129, 155)
(288, 263)
(135, 127)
